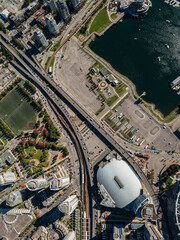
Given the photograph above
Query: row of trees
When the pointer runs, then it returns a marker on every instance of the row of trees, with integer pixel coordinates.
(171, 171)
(6, 131)
(6, 53)
(18, 43)
(38, 106)
(2, 28)
(53, 131)
(23, 91)
(44, 156)
(49, 145)
(30, 86)
(9, 88)
(20, 149)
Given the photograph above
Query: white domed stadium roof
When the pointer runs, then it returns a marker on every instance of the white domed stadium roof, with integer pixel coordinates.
(118, 184)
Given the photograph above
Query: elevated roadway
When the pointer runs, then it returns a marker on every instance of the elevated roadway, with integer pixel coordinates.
(22, 58)
(43, 76)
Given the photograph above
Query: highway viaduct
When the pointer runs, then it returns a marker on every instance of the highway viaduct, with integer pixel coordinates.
(22, 58)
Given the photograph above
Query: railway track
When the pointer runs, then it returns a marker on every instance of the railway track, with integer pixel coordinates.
(72, 33)
(85, 193)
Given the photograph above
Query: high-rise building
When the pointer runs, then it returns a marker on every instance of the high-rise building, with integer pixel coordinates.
(69, 205)
(36, 184)
(40, 38)
(51, 24)
(58, 183)
(52, 4)
(63, 10)
(75, 4)
(7, 178)
(70, 236)
(14, 198)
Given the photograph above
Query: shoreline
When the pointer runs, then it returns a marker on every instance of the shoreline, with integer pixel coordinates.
(150, 107)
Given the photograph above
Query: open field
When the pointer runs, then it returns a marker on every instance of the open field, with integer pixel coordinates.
(16, 112)
(100, 22)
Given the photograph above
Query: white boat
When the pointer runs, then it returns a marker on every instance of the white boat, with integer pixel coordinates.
(135, 38)
(168, 21)
(178, 93)
(167, 46)
(176, 88)
(159, 59)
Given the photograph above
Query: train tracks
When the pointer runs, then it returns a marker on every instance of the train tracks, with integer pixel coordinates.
(84, 180)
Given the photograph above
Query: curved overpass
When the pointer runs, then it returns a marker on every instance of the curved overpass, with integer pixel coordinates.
(42, 76)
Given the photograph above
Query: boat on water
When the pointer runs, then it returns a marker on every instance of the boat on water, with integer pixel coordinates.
(178, 93)
(168, 21)
(135, 38)
(167, 46)
(175, 82)
(176, 88)
(159, 59)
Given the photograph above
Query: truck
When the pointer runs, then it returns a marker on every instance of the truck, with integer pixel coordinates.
(50, 70)
(142, 156)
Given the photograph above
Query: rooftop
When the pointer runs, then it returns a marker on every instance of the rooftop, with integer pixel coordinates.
(118, 183)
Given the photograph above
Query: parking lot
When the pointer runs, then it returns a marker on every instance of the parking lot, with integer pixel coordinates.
(148, 131)
(6, 76)
(71, 73)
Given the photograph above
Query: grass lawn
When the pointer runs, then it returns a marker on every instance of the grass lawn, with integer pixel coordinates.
(4, 140)
(52, 62)
(30, 150)
(113, 16)
(46, 62)
(16, 112)
(120, 88)
(57, 45)
(100, 22)
(100, 110)
(38, 154)
(111, 100)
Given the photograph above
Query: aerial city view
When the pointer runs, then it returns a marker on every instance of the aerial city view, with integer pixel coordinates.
(90, 119)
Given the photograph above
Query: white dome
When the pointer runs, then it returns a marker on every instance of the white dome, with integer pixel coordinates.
(118, 183)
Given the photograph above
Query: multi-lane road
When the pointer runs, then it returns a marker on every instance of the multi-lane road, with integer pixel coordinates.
(22, 58)
(53, 90)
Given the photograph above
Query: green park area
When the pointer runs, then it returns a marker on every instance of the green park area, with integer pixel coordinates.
(120, 88)
(16, 111)
(100, 22)
(55, 47)
(109, 101)
(52, 62)
(113, 16)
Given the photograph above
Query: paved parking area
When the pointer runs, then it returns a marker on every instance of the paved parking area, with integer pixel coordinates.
(94, 144)
(6, 76)
(71, 73)
(147, 128)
